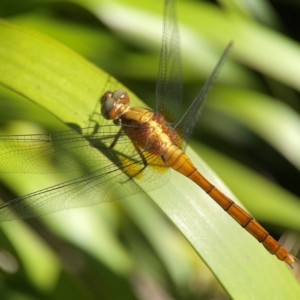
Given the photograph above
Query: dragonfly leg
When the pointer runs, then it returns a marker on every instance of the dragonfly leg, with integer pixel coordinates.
(131, 170)
(116, 138)
(138, 150)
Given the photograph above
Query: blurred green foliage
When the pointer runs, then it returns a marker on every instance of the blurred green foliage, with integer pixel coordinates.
(128, 249)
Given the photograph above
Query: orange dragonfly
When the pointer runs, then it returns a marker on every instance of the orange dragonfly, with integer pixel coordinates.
(140, 145)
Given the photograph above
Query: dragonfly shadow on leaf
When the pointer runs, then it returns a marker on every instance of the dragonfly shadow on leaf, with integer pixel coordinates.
(111, 173)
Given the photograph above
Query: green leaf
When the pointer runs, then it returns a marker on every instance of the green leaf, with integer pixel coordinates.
(274, 121)
(62, 82)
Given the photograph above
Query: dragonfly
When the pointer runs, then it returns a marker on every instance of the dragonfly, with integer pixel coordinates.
(131, 154)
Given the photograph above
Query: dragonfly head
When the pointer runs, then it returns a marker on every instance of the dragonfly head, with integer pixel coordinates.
(113, 104)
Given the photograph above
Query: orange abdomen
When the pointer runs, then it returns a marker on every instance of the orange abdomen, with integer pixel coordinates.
(180, 162)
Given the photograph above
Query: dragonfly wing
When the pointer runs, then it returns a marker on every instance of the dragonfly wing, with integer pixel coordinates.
(62, 151)
(169, 78)
(186, 124)
(112, 181)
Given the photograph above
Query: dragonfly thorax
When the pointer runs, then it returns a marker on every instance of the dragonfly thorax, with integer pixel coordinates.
(114, 104)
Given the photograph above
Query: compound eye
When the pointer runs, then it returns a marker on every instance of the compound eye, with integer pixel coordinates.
(108, 108)
(121, 96)
(107, 95)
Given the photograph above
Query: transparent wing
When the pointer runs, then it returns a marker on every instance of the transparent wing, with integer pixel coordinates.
(118, 172)
(186, 124)
(169, 78)
(62, 151)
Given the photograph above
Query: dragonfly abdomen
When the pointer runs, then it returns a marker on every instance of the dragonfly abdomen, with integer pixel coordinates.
(251, 225)
(180, 162)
